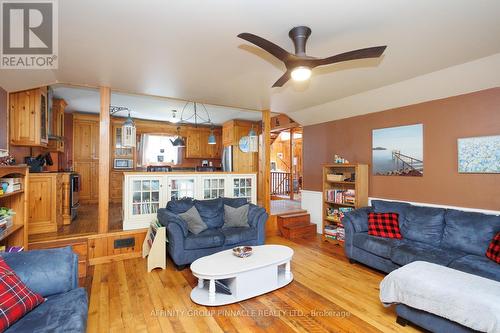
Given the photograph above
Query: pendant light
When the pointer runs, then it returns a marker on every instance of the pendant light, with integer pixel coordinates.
(253, 141)
(128, 132)
(179, 140)
(211, 137)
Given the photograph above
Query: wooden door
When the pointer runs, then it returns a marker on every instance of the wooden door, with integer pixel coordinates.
(85, 171)
(94, 196)
(42, 115)
(82, 141)
(41, 204)
(95, 140)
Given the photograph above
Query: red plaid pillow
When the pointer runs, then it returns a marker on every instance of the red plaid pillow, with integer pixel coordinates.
(15, 298)
(493, 251)
(384, 225)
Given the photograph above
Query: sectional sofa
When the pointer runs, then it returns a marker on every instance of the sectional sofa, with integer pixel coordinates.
(448, 237)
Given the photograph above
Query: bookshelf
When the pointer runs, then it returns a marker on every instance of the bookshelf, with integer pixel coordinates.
(155, 247)
(17, 233)
(345, 187)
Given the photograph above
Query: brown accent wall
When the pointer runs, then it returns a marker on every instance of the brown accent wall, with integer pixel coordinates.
(444, 120)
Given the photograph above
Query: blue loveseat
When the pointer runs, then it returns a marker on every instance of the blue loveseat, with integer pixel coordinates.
(52, 273)
(447, 237)
(185, 247)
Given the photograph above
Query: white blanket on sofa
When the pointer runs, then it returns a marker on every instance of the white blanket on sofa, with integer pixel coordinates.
(468, 299)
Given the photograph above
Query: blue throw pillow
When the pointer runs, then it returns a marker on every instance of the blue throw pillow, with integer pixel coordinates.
(180, 206)
(423, 224)
(468, 231)
(211, 212)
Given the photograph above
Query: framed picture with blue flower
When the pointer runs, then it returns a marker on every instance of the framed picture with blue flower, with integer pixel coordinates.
(479, 154)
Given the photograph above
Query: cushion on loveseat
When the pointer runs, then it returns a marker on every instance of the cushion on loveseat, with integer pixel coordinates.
(65, 312)
(205, 239)
(211, 212)
(379, 246)
(468, 231)
(423, 224)
(180, 206)
(478, 265)
(238, 235)
(408, 251)
(234, 202)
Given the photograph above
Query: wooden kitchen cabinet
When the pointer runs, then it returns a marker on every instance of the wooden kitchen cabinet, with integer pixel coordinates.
(56, 136)
(197, 143)
(28, 117)
(86, 155)
(44, 202)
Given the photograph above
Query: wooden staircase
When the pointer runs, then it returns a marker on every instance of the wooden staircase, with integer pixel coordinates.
(296, 225)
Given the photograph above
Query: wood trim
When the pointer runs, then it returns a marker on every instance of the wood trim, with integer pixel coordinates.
(266, 161)
(290, 181)
(104, 161)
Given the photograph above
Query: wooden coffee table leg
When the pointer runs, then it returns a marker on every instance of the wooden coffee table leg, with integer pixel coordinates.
(200, 283)
(287, 270)
(211, 291)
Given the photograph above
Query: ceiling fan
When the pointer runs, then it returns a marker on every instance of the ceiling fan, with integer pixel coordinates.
(299, 65)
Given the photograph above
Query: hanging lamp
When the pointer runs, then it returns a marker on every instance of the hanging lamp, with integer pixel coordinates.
(211, 137)
(253, 141)
(128, 128)
(179, 140)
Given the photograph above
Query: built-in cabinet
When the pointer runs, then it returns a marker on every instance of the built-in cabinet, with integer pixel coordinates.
(144, 193)
(86, 155)
(56, 135)
(45, 202)
(28, 117)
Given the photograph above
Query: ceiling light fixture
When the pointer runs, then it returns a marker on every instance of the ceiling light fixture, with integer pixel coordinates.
(301, 73)
(211, 137)
(174, 118)
(197, 118)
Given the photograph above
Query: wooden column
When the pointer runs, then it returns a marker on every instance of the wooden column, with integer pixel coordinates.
(290, 182)
(104, 143)
(266, 160)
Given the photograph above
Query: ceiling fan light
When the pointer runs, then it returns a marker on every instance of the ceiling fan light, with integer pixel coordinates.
(301, 73)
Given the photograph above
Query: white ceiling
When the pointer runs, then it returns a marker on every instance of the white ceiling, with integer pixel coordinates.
(188, 49)
(87, 100)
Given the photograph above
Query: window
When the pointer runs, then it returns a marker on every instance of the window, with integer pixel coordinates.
(157, 149)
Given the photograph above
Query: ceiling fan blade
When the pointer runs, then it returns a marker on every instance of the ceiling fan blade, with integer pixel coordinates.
(370, 52)
(282, 80)
(266, 45)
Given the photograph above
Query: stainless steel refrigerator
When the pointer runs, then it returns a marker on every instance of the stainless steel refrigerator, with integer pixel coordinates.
(227, 159)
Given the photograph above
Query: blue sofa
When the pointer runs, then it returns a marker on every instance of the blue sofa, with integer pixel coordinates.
(447, 237)
(185, 247)
(52, 273)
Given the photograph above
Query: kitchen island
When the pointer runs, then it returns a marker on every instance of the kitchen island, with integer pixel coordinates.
(145, 192)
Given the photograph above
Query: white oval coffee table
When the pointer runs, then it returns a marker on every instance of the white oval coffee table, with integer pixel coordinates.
(267, 269)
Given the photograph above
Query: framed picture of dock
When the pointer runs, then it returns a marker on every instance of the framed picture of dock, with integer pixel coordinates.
(479, 154)
(398, 151)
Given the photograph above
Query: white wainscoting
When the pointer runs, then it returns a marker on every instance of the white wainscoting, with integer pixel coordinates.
(466, 209)
(312, 202)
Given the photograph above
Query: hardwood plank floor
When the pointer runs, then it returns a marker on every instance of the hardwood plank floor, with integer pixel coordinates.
(327, 295)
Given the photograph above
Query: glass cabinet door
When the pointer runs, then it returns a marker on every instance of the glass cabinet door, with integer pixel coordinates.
(213, 187)
(242, 187)
(145, 196)
(180, 187)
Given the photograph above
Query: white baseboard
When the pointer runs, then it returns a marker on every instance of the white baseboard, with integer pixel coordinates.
(312, 201)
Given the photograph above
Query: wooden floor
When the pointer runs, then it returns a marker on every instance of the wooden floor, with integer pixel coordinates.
(85, 223)
(327, 295)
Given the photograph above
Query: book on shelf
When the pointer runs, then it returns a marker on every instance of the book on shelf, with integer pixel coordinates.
(341, 196)
(337, 214)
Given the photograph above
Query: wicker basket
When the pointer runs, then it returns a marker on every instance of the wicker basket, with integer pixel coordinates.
(334, 178)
